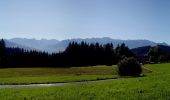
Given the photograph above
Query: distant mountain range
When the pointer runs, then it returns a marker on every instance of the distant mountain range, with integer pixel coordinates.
(56, 46)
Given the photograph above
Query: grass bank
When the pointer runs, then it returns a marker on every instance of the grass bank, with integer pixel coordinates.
(152, 87)
(51, 75)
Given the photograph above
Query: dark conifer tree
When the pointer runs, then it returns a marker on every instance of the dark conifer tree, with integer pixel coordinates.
(2, 51)
(123, 51)
(2, 48)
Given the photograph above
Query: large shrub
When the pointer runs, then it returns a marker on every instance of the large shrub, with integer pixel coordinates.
(129, 67)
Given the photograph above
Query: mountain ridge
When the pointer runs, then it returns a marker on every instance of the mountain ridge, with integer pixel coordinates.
(53, 45)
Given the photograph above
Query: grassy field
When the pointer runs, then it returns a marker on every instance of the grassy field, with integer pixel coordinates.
(50, 75)
(154, 86)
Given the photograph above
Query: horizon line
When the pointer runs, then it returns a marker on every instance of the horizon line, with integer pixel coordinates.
(79, 38)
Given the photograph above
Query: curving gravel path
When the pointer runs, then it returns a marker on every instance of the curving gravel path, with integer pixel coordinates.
(53, 84)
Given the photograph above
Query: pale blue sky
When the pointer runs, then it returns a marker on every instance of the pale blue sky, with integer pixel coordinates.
(63, 19)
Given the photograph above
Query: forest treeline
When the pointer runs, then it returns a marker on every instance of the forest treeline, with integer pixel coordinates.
(76, 54)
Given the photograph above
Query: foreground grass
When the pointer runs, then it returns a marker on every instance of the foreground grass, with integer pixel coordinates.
(152, 87)
(51, 75)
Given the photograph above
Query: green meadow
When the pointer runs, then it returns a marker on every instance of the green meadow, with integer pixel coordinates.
(51, 75)
(153, 86)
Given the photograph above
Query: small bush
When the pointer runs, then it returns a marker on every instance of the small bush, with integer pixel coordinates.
(129, 67)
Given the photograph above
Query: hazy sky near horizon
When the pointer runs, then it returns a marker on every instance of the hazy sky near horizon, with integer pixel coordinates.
(63, 19)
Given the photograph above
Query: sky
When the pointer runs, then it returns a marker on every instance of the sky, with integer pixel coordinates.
(65, 19)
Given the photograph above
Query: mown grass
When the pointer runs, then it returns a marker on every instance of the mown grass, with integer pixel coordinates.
(93, 70)
(53, 79)
(51, 75)
(154, 86)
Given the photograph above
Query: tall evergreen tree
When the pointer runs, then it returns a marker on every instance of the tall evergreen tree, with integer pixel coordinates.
(155, 54)
(2, 48)
(123, 51)
(2, 51)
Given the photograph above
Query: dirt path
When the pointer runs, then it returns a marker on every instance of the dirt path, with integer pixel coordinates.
(147, 69)
(53, 84)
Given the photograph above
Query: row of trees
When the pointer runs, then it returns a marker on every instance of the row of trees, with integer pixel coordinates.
(95, 54)
(76, 54)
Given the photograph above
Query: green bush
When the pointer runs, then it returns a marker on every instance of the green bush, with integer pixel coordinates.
(129, 67)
